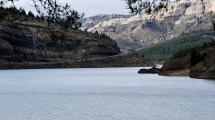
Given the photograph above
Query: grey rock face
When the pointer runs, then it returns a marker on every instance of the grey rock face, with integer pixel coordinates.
(6, 48)
(94, 20)
(33, 40)
(143, 29)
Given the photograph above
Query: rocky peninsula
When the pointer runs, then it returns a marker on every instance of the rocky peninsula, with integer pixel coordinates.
(197, 62)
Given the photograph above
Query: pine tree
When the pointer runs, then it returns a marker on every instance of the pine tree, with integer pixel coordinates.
(30, 14)
(22, 12)
(213, 24)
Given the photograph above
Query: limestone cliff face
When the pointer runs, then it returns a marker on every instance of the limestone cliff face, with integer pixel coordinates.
(94, 20)
(200, 6)
(143, 29)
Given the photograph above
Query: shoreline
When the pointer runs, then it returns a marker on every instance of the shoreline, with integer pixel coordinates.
(55, 65)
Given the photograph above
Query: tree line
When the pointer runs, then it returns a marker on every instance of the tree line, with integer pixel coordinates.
(51, 10)
(178, 45)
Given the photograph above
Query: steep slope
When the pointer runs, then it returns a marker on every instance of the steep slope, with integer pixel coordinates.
(166, 49)
(198, 62)
(32, 38)
(141, 30)
(94, 20)
(26, 42)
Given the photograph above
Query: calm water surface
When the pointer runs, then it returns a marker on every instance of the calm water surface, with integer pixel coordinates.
(103, 94)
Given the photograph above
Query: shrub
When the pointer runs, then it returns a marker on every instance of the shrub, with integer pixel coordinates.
(196, 57)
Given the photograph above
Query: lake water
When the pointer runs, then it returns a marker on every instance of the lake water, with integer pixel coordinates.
(103, 94)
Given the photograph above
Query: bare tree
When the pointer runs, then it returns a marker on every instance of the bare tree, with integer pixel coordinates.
(57, 13)
(54, 12)
(136, 6)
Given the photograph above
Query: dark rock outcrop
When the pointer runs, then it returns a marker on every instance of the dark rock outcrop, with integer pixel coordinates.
(31, 38)
(176, 67)
(205, 69)
(203, 73)
(6, 48)
(199, 62)
(152, 70)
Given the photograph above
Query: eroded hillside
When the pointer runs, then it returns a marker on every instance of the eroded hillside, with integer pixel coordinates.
(143, 29)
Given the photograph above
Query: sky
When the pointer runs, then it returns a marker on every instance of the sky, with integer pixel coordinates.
(89, 7)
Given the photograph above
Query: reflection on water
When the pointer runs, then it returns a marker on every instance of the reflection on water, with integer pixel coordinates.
(103, 94)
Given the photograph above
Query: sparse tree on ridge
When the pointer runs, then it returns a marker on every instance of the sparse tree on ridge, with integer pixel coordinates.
(54, 12)
(30, 14)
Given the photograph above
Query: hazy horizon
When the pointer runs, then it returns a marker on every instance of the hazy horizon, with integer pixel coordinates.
(90, 8)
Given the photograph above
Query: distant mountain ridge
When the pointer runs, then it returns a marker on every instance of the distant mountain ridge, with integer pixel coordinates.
(94, 20)
(143, 29)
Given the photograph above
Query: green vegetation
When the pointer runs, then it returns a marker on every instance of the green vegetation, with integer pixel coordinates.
(196, 57)
(195, 52)
(52, 10)
(30, 14)
(51, 13)
(213, 24)
(56, 36)
(102, 35)
(2, 14)
(11, 12)
(165, 50)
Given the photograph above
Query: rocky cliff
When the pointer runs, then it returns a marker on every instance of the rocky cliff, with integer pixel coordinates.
(32, 38)
(94, 20)
(143, 29)
(198, 62)
(26, 43)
